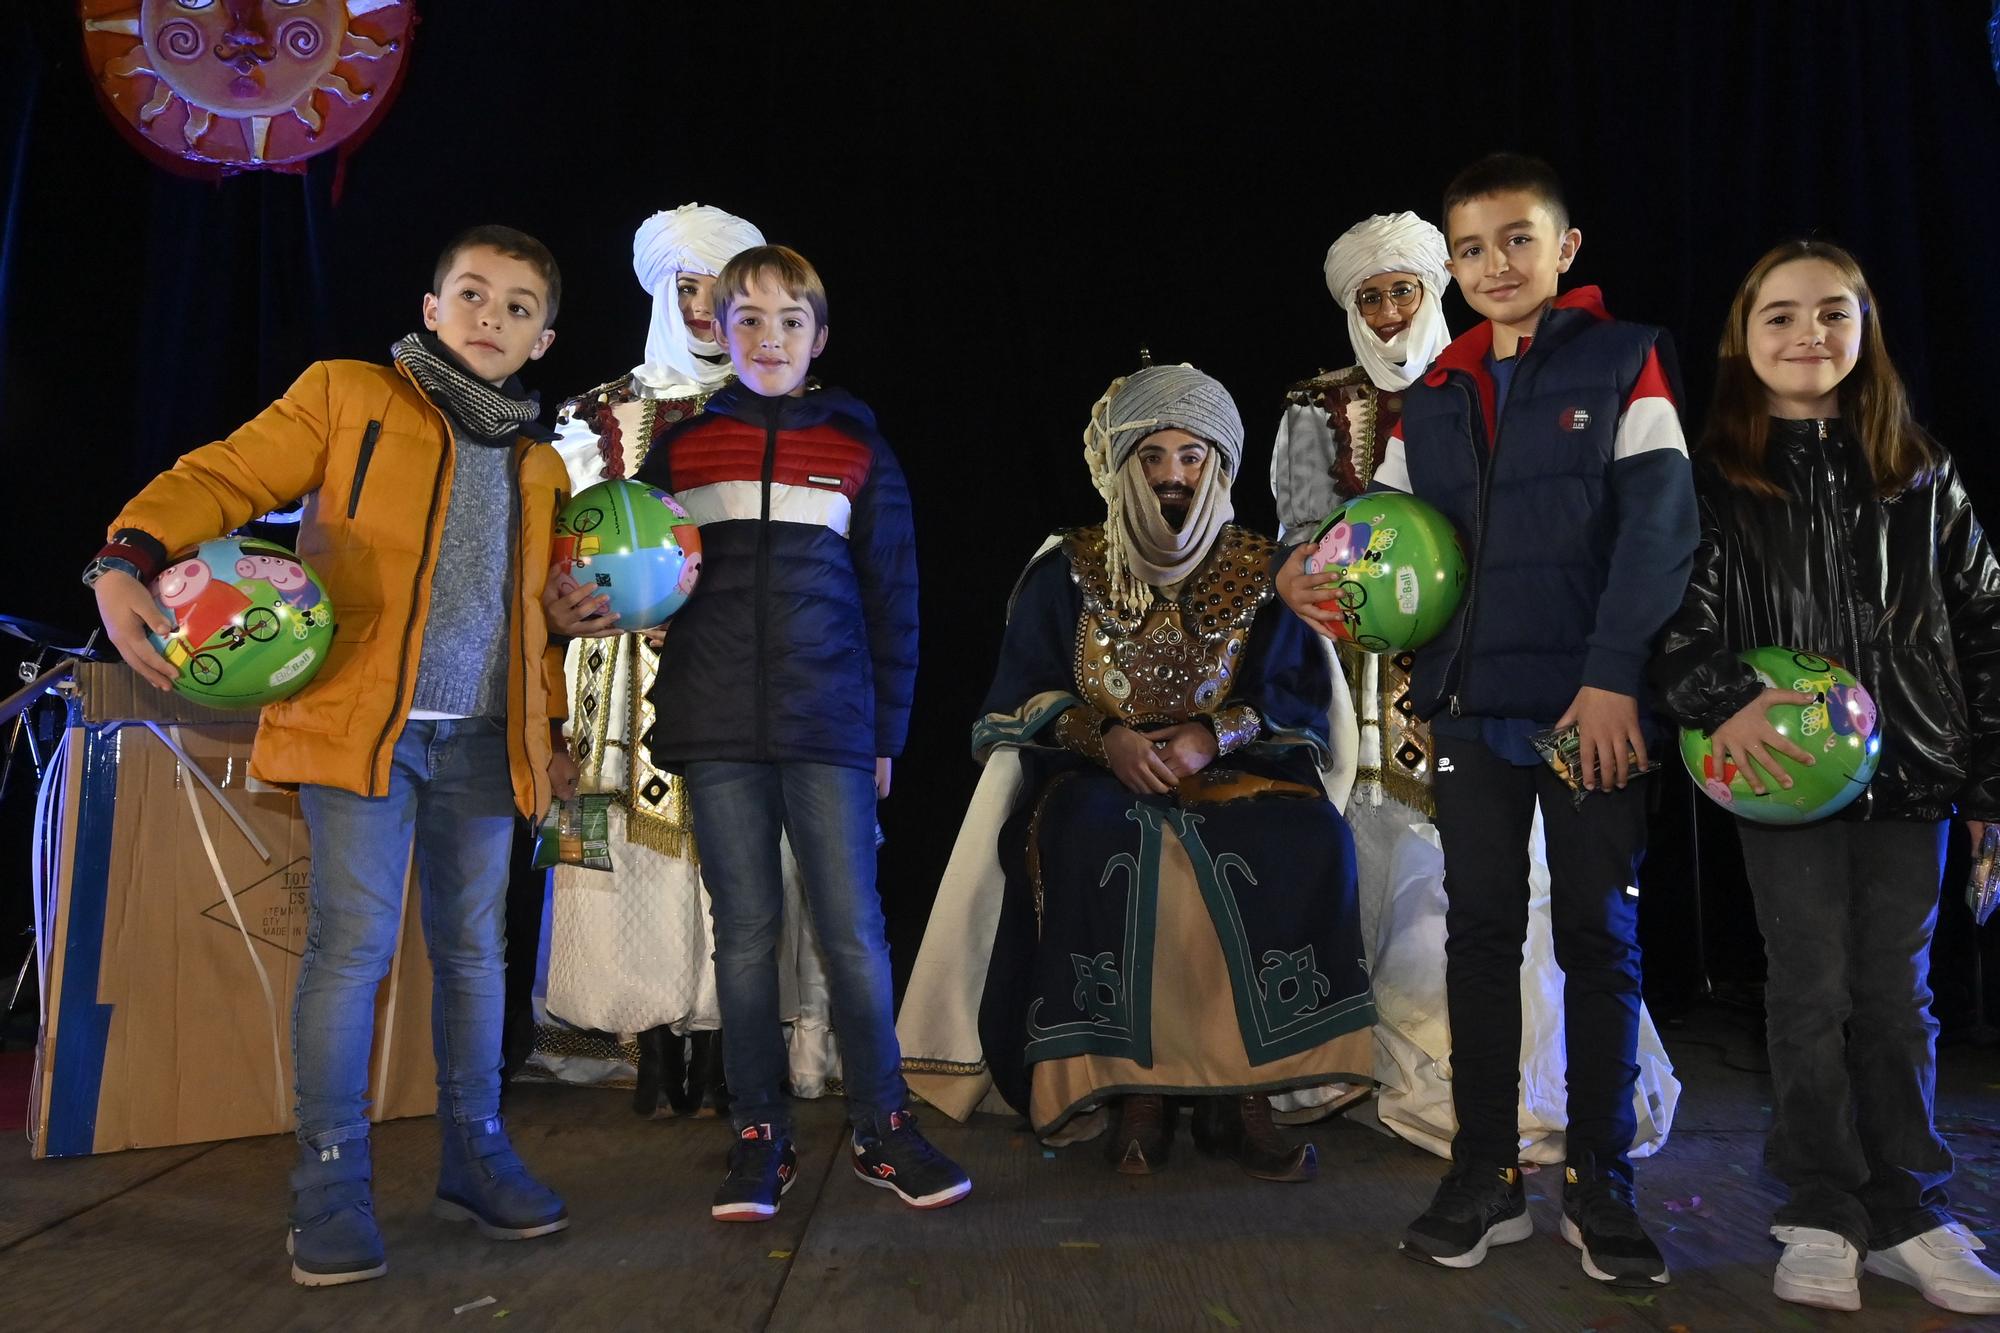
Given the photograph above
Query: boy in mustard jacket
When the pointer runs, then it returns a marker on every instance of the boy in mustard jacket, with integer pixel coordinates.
(430, 497)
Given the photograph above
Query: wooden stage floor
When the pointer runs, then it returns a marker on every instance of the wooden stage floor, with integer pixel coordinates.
(191, 1238)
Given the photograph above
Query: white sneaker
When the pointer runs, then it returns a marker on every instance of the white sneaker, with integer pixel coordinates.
(1941, 1264)
(1817, 1268)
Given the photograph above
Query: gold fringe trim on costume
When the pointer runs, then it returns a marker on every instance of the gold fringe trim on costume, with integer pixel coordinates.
(552, 1040)
(1412, 792)
(644, 828)
(943, 1066)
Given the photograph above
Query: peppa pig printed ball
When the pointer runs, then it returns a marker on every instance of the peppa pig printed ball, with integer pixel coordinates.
(1395, 568)
(1840, 729)
(252, 623)
(635, 543)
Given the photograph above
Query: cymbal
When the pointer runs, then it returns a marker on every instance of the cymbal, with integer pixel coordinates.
(48, 636)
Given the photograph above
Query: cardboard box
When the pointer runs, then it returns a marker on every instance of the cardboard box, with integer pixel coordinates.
(156, 1030)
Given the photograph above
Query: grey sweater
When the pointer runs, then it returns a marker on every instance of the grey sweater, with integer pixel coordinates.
(463, 669)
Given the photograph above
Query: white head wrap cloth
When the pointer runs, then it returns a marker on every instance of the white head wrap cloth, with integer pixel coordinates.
(1141, 551)
(1392, 243)
(693, 238)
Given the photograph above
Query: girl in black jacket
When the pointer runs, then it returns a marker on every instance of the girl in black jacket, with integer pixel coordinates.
(1831, 524)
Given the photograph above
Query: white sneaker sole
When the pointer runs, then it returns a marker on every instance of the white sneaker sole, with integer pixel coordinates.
(753, 1212)
(1500, 1233)
(1956, 1301)
(1574, 1235)
(307, 1278)
(458, 1212)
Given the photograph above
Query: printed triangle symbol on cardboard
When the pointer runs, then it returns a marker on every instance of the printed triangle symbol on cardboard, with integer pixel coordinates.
(273, 908)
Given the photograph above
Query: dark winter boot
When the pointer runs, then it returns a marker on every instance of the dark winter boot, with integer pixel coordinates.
(481, 1179)
(333, 1237)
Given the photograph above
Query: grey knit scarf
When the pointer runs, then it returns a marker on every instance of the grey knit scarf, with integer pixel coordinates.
(482, 411)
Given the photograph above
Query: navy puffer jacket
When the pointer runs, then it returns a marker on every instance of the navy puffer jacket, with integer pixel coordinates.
(799, 643)
(1575, 505)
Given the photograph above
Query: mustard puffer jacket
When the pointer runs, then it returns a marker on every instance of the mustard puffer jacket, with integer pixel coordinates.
(372, 458)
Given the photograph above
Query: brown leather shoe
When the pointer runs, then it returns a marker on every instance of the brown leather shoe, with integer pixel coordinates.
(1262, 1150)
(1144, 1135)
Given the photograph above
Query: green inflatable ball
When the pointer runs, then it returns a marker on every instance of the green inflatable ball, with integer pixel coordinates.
(1840, 728)
(1395, 568)
(634, 544)
(252, 624)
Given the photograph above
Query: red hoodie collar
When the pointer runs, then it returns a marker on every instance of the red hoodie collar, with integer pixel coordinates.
(1467, 353)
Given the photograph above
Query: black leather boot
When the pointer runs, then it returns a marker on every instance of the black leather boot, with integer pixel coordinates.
(662, 1090)
(707, 1089)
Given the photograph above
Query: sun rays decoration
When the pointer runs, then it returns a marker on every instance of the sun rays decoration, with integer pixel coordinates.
(245, 85)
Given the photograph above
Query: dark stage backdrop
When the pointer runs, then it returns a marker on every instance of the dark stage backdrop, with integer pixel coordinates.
(1007, 203)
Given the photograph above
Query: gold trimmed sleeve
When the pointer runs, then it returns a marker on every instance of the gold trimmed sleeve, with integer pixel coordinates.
(1235, 727)
(1080, 730)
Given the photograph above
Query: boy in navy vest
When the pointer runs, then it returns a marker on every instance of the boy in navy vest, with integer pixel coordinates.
(1548, 435)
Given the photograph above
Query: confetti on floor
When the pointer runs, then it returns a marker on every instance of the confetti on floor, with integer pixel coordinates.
(1221, 1315)
(473, 1305)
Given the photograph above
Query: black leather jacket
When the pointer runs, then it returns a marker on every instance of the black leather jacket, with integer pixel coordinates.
(1903, 592)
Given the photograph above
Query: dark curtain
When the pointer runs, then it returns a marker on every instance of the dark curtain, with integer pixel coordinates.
(1007, 203)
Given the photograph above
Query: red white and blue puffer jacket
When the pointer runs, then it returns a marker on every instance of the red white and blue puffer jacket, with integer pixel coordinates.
(799, 643)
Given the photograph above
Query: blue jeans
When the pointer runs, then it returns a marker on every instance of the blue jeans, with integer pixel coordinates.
(829, 812)
(449, 786)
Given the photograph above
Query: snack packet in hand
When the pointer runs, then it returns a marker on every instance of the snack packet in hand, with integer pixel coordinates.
(1559, 750)
(1982, 892)
(575, 832)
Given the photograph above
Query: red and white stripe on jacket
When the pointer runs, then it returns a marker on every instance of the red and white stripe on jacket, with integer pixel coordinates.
(718, 473)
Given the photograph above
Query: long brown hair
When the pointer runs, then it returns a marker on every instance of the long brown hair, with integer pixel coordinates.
(1872, 398)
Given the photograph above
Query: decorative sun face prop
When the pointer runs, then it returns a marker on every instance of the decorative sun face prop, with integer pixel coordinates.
(246, 84)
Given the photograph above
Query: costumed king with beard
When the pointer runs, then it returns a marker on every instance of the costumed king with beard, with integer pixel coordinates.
(1178, 915)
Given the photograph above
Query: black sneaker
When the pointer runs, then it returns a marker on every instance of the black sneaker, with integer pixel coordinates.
(762, 1167)
(1599, 1219)
(1475, 1206)
(904, 1161)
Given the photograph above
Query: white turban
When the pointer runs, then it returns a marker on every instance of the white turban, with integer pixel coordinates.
(1392, 243)
(693, 238)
